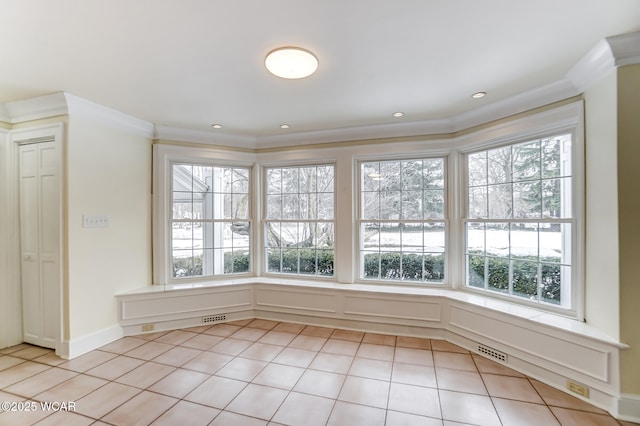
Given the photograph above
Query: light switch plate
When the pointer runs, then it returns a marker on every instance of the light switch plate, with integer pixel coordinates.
(95, 221)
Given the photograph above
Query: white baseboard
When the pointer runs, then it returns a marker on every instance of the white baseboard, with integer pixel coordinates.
(81, 345)
(629, 408)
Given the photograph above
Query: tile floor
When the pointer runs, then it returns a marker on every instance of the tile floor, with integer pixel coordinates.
(259, 372)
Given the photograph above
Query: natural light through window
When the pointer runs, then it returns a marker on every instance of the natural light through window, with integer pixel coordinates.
(519, 220)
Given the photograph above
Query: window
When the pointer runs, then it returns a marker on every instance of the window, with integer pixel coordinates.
(299, 224)
(402, 220)
(520, 220)
(210, 226)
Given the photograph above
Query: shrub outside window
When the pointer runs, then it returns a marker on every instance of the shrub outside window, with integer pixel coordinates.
(402, 220)
(299, 225)
(210, 226)
(519, 220)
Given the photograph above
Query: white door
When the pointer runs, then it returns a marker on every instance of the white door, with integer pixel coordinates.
(40, 243)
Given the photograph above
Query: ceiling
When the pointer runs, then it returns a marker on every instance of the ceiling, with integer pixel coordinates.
(191, 63)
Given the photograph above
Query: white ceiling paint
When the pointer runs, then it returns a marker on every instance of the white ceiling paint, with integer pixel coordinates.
(188, 64)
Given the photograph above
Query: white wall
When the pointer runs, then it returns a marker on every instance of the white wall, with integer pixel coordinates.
(602, 268)
(108, 173)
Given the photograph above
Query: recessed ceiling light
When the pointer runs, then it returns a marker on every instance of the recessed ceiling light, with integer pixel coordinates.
(398, 114)
(291, 62)
(479, 95)
(284, 126)
(217, 126)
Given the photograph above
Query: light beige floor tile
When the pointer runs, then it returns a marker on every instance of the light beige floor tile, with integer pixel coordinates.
(258, 401)
(49, 359)
(454, 361)
(320, 383)
(511, 388)
(40, 382)
(177, 356)
(241, 323)
(149, 350)
(151, 336)
(345, 413)
(198, 328)
(222, 330)
(123, 345)
(570, 417)
(518, 413)
(140, 410)
(395, 418)
(371, 369)
(358, 390)
(66, 418)
(186, 413)
(468, 408)
(340, 347)
(216, 392)
(20, 372)
(104, 399)
(379, 339)
(279, 376)
(145, 375)
(208, 362)
(31, 352)
(490, 366)
(22, 418)
(461, 381)
(444, 346)
(310, 343)
(380, 352)
(87, 361)
(14, 348)
(115, 367)
(277, 338)
(261, 352)
(176, 337)
(314, 331)
(295, 357)
(232, 419)
(241, 369)
(302, 409)
(413, 374)
(202, 341)
(263, 324)
(353, 336)
(231, 346)
(7, 361)
(332, 362)
(179, 383)
(289, 328)
(413, 342)
(72, 389)
(414, 400)
(250, 334)
(414, 356)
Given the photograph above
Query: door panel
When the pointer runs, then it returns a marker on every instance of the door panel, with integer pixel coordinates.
(40, 243)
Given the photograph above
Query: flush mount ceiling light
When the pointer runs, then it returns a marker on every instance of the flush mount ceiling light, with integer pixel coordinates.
(217, 126)
(398, 114)
(284, 126)
(479, 95)
(291, 62)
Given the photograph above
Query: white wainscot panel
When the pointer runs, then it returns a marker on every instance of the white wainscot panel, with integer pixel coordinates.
(296, 300)
(394, 308)
(174, 304)
(534, 344)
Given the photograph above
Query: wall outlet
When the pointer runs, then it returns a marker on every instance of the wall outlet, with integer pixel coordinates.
(578, 388)
(147, 327)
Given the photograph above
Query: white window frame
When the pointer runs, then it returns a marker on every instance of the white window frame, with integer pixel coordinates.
(164, 157)
(359, 272)
(567, 119)
(264, 220)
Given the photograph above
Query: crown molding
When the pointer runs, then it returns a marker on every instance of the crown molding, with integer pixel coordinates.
(108, 116)
(4, 115)
(203, 137)
(625, 48)
(36, 108)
